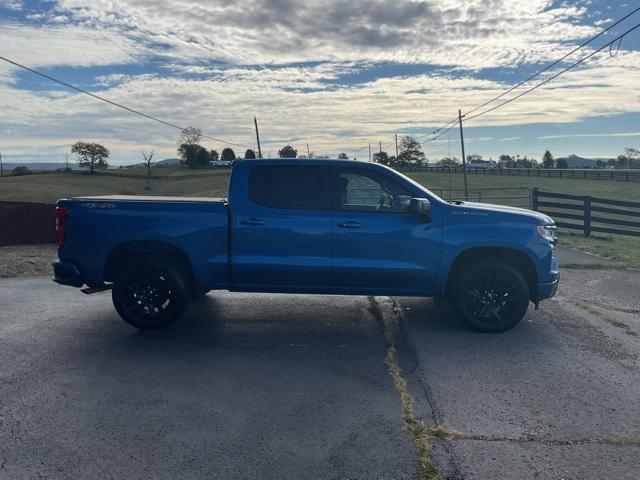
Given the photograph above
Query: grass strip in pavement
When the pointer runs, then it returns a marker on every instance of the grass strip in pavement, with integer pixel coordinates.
(419, 434)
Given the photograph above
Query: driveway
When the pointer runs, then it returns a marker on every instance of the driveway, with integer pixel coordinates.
(557, 397)
(244, 386)
(294, 386)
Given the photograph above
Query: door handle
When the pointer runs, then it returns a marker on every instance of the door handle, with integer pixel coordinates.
(252, 221)
(350, 224)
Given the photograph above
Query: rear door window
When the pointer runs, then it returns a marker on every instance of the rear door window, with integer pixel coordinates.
(291, 187)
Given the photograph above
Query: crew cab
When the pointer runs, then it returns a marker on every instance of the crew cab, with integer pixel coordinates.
(307, 226)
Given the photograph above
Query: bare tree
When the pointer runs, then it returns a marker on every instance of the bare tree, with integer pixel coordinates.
(190, 136)
(148, 160)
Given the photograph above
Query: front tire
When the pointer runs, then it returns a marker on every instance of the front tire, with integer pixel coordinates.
(490, 295)
(150, 295)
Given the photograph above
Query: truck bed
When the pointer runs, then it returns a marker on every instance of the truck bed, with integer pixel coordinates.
(150, 198)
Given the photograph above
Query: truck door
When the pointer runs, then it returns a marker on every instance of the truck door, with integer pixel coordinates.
(379, 246)
(282, 229)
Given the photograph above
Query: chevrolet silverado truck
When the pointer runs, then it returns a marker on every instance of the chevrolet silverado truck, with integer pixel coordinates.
(312, 227)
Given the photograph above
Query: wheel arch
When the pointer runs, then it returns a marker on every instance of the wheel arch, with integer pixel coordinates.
(124, 254)
(518, 259)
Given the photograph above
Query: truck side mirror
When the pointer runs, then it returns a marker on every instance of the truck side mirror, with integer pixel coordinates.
(420, 206)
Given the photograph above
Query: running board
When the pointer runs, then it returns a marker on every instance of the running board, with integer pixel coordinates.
(102, 288)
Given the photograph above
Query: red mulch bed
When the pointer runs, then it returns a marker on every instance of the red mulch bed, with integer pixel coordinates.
(26, 222)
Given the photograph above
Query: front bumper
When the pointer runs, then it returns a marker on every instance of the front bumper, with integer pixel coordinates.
(66, 273)
(548, 289)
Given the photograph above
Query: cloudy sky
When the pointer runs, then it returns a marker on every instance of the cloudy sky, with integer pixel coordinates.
(334, 74)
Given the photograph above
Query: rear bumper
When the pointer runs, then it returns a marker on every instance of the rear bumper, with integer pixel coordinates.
(66, 273)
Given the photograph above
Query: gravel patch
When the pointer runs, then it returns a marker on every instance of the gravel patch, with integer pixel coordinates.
(33, 260)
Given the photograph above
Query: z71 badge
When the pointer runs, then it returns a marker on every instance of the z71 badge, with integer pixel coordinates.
(98, 205)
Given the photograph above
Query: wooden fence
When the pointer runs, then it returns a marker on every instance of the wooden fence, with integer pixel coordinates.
(27, 222)
(620, 175)
(593, 214)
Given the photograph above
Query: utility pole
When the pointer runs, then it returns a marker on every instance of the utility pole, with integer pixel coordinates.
(396, 145)
(67, 157)
(1, 166)
(369, 151)
(255, 121)
(464, 159)
(308, 152)
(380, 146)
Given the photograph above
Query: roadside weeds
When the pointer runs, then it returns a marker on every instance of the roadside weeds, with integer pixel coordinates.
(595, 311)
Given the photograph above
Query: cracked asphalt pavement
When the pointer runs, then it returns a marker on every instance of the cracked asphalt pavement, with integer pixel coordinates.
(293, 386)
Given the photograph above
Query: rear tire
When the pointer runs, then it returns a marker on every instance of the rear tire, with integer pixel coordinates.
(490, 295)
(150, 294)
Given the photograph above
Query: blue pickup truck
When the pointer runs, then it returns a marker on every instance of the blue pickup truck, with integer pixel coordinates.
(307, 226)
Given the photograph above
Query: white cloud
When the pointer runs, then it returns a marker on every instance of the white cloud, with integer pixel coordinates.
(591, 135)
(464, 34)
(297, 102)
(11, 4)
(65, 45)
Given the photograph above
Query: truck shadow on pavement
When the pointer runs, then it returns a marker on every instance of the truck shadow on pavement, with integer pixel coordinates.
(242, 386)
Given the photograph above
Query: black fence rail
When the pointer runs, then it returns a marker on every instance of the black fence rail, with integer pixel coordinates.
(571, 173)
(602, 215)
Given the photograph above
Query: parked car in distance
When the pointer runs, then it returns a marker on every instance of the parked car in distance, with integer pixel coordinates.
(479, 163)
(307, 226)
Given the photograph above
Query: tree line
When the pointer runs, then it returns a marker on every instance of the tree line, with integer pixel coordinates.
(193, 155)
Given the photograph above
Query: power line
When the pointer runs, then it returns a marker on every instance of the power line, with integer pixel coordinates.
(551, 65)
(115, 104)
(573, 65)
(130, 55)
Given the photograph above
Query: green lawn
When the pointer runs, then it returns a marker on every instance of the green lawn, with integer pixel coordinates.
(49, 188)
(595, 188)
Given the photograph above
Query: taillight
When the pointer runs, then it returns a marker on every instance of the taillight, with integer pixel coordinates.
(61, 214)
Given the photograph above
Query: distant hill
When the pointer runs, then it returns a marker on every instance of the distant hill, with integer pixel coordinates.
(574, 161)
(52, 166)
(167, 162)
(37, 167)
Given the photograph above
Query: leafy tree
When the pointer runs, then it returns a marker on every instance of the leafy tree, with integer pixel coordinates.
(448, 162)
(213, 156)
(633, 157)
(228, 155)
(288, 152)
(622, 161)
(524, 162)
(343, 156)
(562, 163)
(148, 159)
(92, 155)
(249, 154)
(194, 156)
(190, 136)
(381, 158)
(21, 170)
(507, 161)
(410, 152)
(547, 160)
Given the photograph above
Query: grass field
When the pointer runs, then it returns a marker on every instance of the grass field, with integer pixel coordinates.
(624, 251)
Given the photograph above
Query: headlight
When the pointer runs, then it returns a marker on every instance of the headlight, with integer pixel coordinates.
(548, 232)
